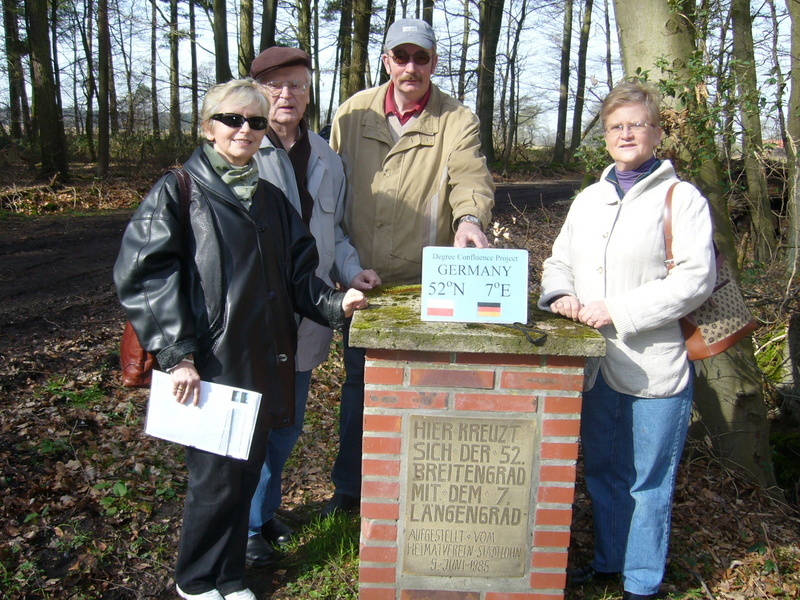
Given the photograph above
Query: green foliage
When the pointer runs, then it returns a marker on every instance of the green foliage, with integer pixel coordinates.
(138, 148)
(65, 389)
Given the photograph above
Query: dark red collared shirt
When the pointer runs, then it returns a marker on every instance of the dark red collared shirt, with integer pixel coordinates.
(390, 106)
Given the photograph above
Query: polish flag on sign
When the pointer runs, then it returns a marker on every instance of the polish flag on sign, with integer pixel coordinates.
(440, 308)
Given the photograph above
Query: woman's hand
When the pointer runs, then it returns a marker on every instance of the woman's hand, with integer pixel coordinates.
(353, 300)
(567, 306)
(595, 314)
(186, 383)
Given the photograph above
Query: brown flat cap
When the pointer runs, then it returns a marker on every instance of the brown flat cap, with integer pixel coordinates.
(278, 57)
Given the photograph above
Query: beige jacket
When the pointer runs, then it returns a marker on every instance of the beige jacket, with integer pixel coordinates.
(407, 196)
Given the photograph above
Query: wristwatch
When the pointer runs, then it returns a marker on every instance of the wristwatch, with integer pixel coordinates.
(469, 219)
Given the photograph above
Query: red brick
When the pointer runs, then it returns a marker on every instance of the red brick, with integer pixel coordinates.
(378, 554)
(551, 539)
(496, 402)
(377, 574)
(365, 593)
(555, 495)
(510, 360)
(532, 380)
(544, 581)
(398, 399)
(451, 378)
(386, 511)
(380, 468)
(408, 356)
(549, 560)
(553, 516)
(509, 596)
(438, 595)
(560, 473)
(382, 445)
(375, 531)
(562, 405)
(561, 427)
(551, 450)
(383, 375)
(565, 361)
(381, 489)
(383, 423)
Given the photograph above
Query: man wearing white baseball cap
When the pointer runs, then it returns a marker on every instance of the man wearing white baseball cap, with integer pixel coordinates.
(416, 178)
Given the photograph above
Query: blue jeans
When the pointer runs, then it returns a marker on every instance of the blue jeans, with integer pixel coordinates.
(346, 474)
(268, 494)
(631, 450)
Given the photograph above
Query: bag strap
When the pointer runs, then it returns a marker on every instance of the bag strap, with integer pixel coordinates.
(185, 195)
(670, 262)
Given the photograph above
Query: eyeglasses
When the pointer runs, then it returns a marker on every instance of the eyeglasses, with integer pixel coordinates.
(401, 57)
(638, 127)
(235, 121)
(297, 88)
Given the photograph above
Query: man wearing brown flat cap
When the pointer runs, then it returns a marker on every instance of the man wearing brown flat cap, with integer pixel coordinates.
(300, 163)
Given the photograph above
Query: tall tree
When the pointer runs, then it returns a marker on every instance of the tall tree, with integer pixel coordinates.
(86, 27)
(246, 36)
(580, 86)
(345, 49)
(491, 21)
(221, 55)
(752, 146)
(153, 73)
(103, 77)
(560, 147)
(49, 123)
(269, 17)
(657, 36)
(793, 134)
(174, 88)
(16, 81)
(359, 65)
(193, 58)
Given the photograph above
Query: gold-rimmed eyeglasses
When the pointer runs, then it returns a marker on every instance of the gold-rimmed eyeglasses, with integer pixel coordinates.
(296, 88)
(618, 128)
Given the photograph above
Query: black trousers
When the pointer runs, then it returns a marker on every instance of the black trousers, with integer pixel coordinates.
(211, 553)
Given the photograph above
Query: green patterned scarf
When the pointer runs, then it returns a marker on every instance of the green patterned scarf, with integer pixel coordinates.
(242, 180)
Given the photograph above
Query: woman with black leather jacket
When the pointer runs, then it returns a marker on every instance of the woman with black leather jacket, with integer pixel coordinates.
(215, 298)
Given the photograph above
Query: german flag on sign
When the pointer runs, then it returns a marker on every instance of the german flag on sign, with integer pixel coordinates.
(488, 309)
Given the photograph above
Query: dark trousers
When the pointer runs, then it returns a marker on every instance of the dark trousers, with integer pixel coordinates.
(346, 474)
(211, 553)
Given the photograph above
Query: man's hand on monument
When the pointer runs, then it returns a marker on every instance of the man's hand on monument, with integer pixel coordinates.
(366, 280)
(468, 235)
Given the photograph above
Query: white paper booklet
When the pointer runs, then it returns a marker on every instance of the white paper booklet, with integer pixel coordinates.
(223, 422)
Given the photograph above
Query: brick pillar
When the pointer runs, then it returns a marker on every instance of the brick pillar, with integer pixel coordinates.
(468, 460)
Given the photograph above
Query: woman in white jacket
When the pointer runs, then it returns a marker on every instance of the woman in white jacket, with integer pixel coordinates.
(608, 270)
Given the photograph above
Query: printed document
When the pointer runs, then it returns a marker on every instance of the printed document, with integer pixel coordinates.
(223, 422)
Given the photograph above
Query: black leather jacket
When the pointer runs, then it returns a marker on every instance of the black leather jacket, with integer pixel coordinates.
(225, 288)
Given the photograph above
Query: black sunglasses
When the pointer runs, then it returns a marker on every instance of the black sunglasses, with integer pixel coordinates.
(401, 57)
(235, 121)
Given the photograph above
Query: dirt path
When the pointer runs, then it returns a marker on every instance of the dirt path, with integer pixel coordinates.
(55, 271)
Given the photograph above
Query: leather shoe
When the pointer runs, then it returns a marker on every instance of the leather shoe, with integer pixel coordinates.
(632, 596)
(587, 574)
(276, 531)
(259, 552)
(341, 502)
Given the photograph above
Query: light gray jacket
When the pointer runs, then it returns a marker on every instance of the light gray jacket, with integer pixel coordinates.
(612, 249)
(338, 260)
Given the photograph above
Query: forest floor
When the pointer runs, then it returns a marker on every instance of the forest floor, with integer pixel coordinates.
(90, 507)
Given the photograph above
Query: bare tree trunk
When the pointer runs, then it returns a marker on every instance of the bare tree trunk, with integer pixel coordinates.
(728, 392)
(511, 132)
(174, 90)
(16, 82)
(246, 37)
(153, 59)
(580, 89)
(268, 21)
(391, 11)
(462, 59)
(103, 53)
(223, 67)
(609, 74)
(50, 126)
(195, 92)
(752, 146)
(87, 38)
(491, 20)
(344, 43)
(793, 156)
(559, 150)
(362, 14)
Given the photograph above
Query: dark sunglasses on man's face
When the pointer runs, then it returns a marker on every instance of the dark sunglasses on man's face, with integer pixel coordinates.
(235, 121)
(401, 57)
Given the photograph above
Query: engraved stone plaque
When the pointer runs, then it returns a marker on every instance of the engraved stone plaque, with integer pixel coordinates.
(467, 496)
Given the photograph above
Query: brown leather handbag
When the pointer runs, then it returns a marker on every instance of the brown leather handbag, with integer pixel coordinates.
(137, 364)
(723, 319)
